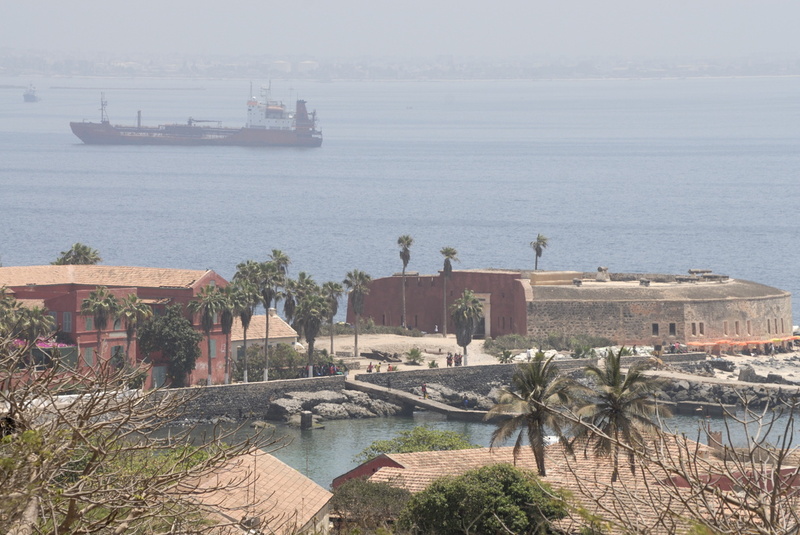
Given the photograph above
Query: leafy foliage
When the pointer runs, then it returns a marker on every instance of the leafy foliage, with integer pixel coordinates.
(172, 335)
(414, 355)
(420, 438)
(368, 505)
(491, 499)
(78, 254)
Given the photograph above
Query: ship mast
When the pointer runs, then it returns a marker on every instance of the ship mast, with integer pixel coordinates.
(103, 116)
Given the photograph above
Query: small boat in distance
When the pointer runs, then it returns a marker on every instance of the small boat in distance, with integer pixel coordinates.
(30, 94)
(269, 124)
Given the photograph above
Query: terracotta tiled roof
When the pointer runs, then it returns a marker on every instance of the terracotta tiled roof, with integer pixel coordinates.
(278, 328)
(587, 478)
(259, 485)
(122, 276)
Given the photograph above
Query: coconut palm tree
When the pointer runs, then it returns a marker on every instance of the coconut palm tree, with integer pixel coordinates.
(621, 408)
(332, 291)
(133, 311)
(102, 306)
(466, 313)
(208, 303)
(79, 254)
(531, 406)
(312, 310)
(357, 283)
(244, 298)
(270, 282)
(538, 246)
(450, 255)
(405, 242)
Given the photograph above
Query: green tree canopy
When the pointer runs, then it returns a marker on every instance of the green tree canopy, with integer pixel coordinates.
(78, 254)
(467, 312)
(368, 505)
(420, 438)
(173, 335)
(538, 245)
(489, 500)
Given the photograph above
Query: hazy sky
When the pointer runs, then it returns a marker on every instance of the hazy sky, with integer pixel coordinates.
(407, 28)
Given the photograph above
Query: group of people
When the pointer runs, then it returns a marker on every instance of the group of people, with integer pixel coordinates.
(456, 359)
(377, 368)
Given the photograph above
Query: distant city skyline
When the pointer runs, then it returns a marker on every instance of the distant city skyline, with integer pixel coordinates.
(315, 29)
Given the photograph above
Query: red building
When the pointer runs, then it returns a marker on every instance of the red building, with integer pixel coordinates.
(62, 289)
(502, 293)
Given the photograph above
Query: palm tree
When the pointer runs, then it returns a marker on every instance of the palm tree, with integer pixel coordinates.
(270, 281)
(226, 324)
(538, 246)
(294, 292)
(311, 312)
(34, 323)
(281, 261)
(537, 392)
(357, 283)
(102, 306)
(332, 291)
(133, 311)
(208, 303)
(405, 242)
(79, 254)
(449, 255)
(623, 406)
(467, 312)
(244, 298)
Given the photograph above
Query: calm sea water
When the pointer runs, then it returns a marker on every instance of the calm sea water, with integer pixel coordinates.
(646, 175)
(639, 176)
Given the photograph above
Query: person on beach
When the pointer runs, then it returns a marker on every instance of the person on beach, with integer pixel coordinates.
(424, 391)
(369, 368)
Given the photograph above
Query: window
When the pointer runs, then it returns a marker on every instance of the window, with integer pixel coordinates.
(117, 324)
(769, 326)
(672, 329)
(213, 348)
(655, 329)
(89, 323)
(67, 323)
(749, 330)
(776, 325)
(783, 327)
(725, 328)
(702, 329)
(88, 356)
(117, 356)
(736, 328)
(694, 329)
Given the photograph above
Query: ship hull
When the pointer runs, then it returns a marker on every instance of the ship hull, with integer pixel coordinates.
(107, 134)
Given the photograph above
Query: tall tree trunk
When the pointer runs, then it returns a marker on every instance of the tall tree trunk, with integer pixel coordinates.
(208, 343)
(444, 310)
(266, 351)
(355, 348)
(245, 355)
(228, 359)
(310, 358)
(331, 336)
(403, 317)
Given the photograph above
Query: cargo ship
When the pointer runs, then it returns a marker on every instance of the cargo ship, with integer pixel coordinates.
(269, 123)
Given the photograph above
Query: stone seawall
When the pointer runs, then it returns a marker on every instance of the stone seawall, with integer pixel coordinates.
(249, 400)
(479, 379)
(252, 400)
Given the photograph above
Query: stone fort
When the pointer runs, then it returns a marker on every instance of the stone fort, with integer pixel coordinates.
(700, 309)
